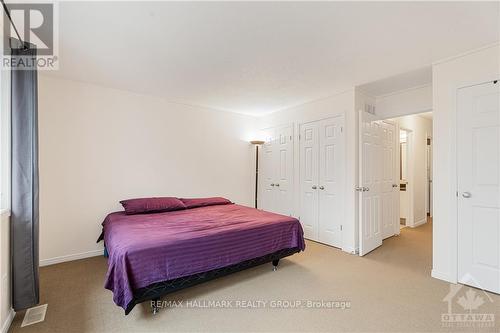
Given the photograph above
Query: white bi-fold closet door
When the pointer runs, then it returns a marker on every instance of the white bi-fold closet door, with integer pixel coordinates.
(276, 171)
(478, 195)
(321, 164)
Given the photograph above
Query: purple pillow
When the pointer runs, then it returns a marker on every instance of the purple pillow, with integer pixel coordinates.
(151, 205)
(202, 202)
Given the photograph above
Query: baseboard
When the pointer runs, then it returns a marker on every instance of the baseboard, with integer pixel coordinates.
(418, 223)
(8, 321)
(350, 250)
(442, 276)
(70, 257)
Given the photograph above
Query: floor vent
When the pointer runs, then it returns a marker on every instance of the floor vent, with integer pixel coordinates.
(34, 315)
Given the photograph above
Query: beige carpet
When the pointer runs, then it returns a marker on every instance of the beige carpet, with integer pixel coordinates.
(390, 290)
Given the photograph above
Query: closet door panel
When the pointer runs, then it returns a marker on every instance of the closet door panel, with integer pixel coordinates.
(267, 173)
(331, 186)
(309, 179)
(284, 170)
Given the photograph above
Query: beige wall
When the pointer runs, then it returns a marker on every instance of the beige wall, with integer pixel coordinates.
(100, 145)
(469, 69)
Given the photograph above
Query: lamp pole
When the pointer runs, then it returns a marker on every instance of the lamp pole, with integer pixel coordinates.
(256, 143)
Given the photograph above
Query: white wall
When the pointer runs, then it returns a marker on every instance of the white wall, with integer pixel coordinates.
(400, 103)
(420, 128)
(340, 104)
(472, 68)
(100, 145)
(6, 311)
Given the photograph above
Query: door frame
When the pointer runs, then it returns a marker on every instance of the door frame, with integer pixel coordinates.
(428, 192)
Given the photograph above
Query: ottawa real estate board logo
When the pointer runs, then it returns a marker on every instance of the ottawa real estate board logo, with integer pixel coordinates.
(31, 38)
(466, 308)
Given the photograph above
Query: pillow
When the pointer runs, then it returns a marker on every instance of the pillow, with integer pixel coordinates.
(151, 205)
(203, 202)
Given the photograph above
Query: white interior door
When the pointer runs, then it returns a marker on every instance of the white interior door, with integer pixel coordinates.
(331, 180)
(389, 185)
(309, 174)
(370, 174)
(478, 171)
(283, 186)
(267, 173)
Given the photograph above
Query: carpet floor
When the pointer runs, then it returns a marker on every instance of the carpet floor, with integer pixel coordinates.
(388, 290)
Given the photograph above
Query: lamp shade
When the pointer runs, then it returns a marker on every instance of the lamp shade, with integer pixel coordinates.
(257, 142)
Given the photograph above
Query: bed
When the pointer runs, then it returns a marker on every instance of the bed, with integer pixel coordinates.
(151, 255)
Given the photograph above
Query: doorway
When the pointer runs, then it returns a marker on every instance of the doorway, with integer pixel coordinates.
(395, 166)
(415, 142)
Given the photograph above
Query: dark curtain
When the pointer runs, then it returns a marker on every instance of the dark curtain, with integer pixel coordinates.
(24, 209)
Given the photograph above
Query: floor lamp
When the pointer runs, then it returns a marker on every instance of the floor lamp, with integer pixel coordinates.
(256, 143)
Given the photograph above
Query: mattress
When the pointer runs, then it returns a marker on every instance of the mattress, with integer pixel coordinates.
(149, 248)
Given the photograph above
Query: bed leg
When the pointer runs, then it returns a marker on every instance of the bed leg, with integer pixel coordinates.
(275, 264)
(154, 306)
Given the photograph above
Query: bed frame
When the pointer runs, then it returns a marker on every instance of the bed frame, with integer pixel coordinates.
(154, 291)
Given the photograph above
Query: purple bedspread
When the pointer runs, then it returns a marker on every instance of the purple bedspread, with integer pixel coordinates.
(149, 248)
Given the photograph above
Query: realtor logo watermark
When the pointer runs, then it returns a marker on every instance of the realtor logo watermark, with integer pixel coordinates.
(37, 26)
(464, 308)
(285, 304)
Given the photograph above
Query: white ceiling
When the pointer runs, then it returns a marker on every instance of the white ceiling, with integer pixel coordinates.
(263, 56)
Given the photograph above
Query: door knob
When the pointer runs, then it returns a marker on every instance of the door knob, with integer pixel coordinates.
(314, 187)
(395, 185)
(366, 189)
(272, 184)
(358, 189)
(321, 187)
(466, 195)
(277, 185)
